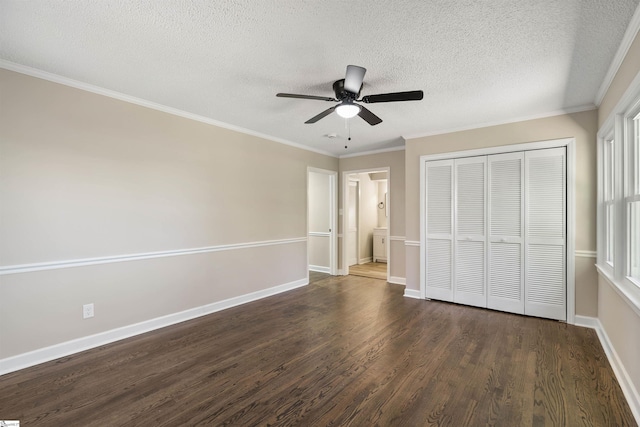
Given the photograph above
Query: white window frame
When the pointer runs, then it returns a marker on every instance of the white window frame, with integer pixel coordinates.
(631, 184)
(619, 127)
(607, 251)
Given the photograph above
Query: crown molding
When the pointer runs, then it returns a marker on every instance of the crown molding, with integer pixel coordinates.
(55, 78)
(621, 53)
(367, 153)
(561, 112)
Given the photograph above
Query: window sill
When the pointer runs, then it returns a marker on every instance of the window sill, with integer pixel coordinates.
(627, 290)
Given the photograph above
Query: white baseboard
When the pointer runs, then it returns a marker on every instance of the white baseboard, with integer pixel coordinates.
(56, 351)
(365, 260)
(319, 269)
(587, 322)
(412, 293)
(628, 389)
(398, 280)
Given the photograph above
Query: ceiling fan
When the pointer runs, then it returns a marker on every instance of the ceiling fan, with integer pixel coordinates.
(347, 91)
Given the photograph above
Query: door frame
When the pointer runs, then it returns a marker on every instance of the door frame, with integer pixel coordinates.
(356, 183)
(569, 143)
(345, 222)
(333, 221)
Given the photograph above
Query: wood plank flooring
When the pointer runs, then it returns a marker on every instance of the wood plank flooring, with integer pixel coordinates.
(342, 351)
(375, 270)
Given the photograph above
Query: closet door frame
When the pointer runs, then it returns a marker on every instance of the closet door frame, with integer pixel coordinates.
(569, 143)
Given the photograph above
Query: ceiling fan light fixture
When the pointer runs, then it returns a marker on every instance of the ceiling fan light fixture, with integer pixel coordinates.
(348, 110)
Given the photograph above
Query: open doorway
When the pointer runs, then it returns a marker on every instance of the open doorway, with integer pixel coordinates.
(366, 223)
(321, 222)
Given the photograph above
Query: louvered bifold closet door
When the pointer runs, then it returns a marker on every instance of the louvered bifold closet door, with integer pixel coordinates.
(470, 237)
(506, 232)
(545, 233)
(439, 230)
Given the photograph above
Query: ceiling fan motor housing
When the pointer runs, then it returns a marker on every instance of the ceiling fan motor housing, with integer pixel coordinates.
(342, 93)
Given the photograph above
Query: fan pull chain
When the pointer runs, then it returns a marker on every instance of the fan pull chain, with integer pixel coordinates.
(347, 125)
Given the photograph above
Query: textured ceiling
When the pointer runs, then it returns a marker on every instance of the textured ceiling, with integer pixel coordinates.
(477, 62)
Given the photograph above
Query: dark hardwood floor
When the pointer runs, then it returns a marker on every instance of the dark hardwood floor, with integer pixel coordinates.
(374, 270)
(315, 276)
(342, 351)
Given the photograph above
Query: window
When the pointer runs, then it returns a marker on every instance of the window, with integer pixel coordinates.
(609, 199)
(632, 199)
(619, 198)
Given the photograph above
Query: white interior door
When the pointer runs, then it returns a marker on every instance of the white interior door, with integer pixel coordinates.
(439, 230)
(352, 232)
(545, 233)
(506, 230)
(470, 235)
(322, 233)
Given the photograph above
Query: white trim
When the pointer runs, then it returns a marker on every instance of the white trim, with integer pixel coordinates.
(499, 149)
(570, 238)
(320, 269)
(586, 321)
(412, 243)
(397, 238)
(54, 265)
(44, 75)
(319, 234)
(586, 254)
(621, 53)
(397, 280)
(368, 153)
(561, 112)
(55, 351)
(365, 260)
(412, 293)
(626, 384)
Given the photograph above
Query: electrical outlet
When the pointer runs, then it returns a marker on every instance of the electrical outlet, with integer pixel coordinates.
(87, 311)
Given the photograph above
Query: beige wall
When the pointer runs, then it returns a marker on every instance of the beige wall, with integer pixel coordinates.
(83, 176)
(395, 161)
(581, 126)
(620, 321)
(382, 213)
(622, 326)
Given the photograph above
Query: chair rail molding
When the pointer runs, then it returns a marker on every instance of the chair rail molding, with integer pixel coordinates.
(54, 265)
